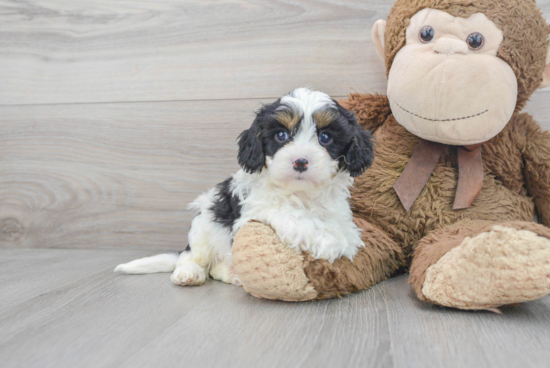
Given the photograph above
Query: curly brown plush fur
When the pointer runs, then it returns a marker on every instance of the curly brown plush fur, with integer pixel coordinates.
(504, 195)
(435, 241)
(379, 259)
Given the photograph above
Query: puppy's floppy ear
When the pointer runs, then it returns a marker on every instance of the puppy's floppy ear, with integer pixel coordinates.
(360, 153)
(251, 155)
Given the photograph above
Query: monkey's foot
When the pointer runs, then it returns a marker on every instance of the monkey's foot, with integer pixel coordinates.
(495, 268)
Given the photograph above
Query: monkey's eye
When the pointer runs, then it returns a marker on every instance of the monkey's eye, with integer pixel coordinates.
(427, 34)
(475, 41)
(281, 136)
(325, 138)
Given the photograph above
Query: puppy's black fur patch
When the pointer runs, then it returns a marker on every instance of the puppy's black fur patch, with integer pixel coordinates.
(251, 156)
(226, 207)
(359, 156)
(258, 142)
(351, 144)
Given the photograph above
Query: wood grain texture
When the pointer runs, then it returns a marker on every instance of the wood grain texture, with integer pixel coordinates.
(120, 174)
(28, 275)
(424, 335)
(60, 51)
(100, 319)
(112, 174)
(95, 318)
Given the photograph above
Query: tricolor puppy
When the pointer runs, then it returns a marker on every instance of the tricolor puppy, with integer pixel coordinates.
(298, 161)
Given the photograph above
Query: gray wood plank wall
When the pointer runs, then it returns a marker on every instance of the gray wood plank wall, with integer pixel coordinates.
(115, 115)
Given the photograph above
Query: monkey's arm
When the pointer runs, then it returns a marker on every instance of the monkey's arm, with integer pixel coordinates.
(371, 110)
(536, 155)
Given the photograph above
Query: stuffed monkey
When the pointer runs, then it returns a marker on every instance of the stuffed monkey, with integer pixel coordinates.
(459, 172)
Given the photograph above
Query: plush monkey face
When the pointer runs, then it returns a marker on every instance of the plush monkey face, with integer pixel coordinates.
(446, 84)
(449, 80)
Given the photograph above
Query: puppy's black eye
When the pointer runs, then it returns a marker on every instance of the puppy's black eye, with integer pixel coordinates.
(427, 34)
(325, 138)
(475, 41)
(281, 136)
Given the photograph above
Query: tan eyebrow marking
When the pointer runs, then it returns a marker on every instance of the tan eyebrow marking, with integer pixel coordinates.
(288, 118)
(323, 118)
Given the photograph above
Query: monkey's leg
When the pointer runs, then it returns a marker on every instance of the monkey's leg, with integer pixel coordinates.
(269, 269)
(482, 265)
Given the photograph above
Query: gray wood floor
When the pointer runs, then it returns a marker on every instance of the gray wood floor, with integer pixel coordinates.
(114, 115)
(65, 308)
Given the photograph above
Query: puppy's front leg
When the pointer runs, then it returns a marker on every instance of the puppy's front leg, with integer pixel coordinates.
(326, 245)
(294, 232)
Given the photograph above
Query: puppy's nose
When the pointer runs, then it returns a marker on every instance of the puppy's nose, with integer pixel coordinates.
(300, 165)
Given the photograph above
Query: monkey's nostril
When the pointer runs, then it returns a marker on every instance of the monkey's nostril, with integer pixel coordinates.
(300, 164)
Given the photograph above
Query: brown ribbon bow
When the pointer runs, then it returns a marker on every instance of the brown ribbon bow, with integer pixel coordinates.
(422, 164)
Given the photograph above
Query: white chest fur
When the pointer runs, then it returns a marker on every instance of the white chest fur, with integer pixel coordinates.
(318, 221)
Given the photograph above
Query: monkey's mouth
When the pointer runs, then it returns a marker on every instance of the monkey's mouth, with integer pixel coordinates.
(442, 120)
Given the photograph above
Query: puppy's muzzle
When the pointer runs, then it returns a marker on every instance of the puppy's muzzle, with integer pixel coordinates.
(300, 165)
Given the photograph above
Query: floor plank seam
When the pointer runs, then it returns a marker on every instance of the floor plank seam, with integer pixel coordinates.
(383, 293)
(305, 357)
(93, 275)
(150, 102)
(173, 324)
(49, 316)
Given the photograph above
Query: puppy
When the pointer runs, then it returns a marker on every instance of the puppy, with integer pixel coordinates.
(298, 161)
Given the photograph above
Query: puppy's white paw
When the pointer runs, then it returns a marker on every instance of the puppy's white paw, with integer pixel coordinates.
(189, 274)
(326, 246)
(225, 273)
(235, 280)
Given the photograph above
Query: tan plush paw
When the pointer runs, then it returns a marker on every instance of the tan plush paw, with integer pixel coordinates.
(500, 267)
(267, 268)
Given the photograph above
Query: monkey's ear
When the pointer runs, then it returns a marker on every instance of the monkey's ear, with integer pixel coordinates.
(378, 38)
(546, 74)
